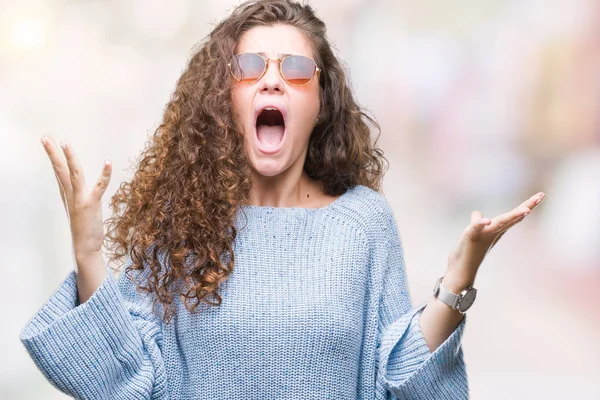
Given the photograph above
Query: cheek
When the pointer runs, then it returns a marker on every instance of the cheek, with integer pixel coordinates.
(308, 104)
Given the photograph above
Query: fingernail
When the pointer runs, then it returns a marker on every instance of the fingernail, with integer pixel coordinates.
(43, 140)
(63, 145)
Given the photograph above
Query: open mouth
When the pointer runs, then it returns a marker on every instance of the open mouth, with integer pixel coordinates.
(270, 127)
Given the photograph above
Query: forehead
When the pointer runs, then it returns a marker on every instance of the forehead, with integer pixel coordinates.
(274, 40)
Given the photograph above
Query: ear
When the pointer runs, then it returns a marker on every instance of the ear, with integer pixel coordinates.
(320, 115)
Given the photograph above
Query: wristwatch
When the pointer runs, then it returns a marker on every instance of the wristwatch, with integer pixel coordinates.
(460, 302)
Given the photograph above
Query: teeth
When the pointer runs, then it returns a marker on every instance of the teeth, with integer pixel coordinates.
(270, 108)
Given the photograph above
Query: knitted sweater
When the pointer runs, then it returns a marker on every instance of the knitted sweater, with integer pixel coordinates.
(317, 307)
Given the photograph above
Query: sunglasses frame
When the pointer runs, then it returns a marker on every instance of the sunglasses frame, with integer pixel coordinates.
(280, 59)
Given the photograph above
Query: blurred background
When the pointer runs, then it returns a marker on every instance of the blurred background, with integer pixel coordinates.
(482, 103)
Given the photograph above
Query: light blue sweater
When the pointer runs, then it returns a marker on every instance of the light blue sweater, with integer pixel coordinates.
(317, 307)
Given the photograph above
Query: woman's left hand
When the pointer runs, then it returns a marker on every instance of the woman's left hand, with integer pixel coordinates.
(478, 239)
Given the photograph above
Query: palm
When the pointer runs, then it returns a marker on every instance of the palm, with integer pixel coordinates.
(482, 234)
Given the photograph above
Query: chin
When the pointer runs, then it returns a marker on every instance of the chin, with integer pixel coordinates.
(267, 169)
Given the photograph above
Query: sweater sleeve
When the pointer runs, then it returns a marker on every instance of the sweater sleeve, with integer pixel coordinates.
(407, 369)
(105, 348)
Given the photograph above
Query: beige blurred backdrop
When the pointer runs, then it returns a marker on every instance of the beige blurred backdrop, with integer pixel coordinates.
(482, 103)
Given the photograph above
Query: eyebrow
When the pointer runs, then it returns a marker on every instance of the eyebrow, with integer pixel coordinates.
(281, 55)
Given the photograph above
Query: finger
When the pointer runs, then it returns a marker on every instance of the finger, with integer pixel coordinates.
(75, 170)
(534, 200)
(499, 234)
(62, 194)
(476, 216)
(505, 229)
(515, 222)
(61, 170)
(102, 182)
(521, 210)
(504, 221)
(475, 229)
(477, 224)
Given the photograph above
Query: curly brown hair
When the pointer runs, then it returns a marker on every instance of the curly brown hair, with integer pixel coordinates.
(193, 174)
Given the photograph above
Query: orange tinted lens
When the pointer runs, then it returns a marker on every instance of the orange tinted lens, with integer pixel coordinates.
(298, 70)
(247, 67)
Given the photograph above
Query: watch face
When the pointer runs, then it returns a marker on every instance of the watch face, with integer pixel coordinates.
(467, 300)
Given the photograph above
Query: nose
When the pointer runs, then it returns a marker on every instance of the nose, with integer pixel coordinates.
(272, 81)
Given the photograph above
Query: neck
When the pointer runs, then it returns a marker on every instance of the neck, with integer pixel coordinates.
(288, 189)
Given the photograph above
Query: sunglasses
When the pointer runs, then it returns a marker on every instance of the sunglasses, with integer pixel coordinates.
(295, 70)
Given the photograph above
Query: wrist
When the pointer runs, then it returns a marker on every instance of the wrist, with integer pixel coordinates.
(87, 256)
(89, 264)
(456, 282)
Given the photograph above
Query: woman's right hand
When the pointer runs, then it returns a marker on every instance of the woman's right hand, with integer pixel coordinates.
(82, 203)
(84, 210)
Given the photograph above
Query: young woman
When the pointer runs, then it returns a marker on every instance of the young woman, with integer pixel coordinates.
(262, 262)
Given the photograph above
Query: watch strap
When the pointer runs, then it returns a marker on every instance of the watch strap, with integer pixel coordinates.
(448, 297)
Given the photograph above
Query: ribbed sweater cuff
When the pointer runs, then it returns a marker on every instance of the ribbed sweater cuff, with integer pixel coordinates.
(88, 350)
(412, 371)
(411, 349)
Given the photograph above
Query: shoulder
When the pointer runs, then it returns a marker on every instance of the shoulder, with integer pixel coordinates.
(369, 209)
(367, 203)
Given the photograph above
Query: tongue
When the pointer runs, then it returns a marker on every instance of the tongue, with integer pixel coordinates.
(269, 136)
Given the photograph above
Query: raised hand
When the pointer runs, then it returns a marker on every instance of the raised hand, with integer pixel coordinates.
(84, 209)
(481, 235)
(82, 203)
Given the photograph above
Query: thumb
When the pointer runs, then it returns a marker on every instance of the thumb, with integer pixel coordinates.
(476, 216)
(478, 222)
